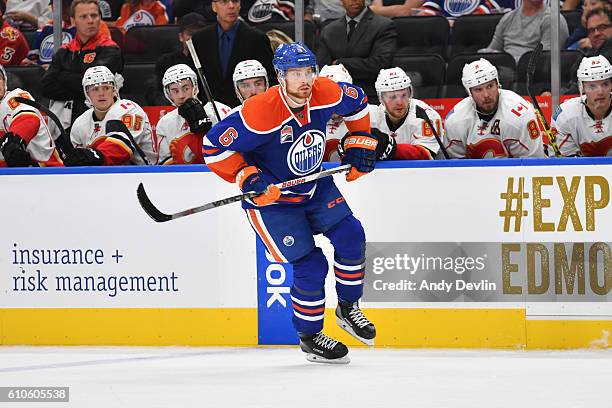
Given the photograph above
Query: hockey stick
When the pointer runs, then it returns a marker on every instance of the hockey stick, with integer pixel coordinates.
(159, 216)
(198, 65)
(531, 66)
(420, 113)
(63, 145)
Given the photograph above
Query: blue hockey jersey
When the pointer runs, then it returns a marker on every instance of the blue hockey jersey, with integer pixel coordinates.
(281, 143)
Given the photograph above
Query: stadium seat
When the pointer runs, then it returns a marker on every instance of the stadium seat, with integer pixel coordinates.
(138, 77)
(147, 43)
(572, 18)
(426, 73)
(28, 78)
(29, 35)
(541, 80)
(471, 33)
(288, 27)
(422, 35)
(506, 68)
(117, 36)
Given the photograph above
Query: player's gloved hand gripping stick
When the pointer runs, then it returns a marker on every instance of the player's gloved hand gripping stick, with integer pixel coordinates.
(159, 216)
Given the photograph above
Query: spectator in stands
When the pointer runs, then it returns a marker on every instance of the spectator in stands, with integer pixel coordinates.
(135, 13)
(28, 14)
(599, 28)
(328, 9)
(13, 45)
(62, 81)
(452, 9)
(520, 30)
(251, 11)
(41, 52)
(408, 8)
(362, 41)
(223, 45)
(188, 24)
(578, 39)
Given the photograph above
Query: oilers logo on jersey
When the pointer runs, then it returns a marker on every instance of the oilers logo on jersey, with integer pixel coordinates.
(306, 153)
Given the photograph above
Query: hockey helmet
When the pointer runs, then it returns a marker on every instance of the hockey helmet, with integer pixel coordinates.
(177, 73)
(392, 79)
(337, 73)
(595, 68)
(248, 69)
(293, 55)
(477, 73)
(98, 75)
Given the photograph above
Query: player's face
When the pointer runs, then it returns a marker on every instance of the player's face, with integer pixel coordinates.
(397, 102)
(598, 93)
(102, 96)
(486, 96)
(299, 82)
(251, 87)
(181, 91)
(86, 20)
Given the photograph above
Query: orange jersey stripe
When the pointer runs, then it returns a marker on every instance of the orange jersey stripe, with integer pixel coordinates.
(262, 235)
(348, 275)
(228, 167)
(308, 311)
(359, 125)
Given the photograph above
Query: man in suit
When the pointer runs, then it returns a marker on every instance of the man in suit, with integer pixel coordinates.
(362, 41)
(223, 45)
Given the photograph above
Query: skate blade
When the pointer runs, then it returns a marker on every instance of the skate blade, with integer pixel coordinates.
(313, 358)
(347, 328)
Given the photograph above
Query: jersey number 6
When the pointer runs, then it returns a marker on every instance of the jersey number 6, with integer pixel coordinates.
(228, 137)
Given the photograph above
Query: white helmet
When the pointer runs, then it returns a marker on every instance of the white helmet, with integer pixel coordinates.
(593, 69)
(392, 79)
(248, 69)
(337, 73)
(95, 76)
(177, 73)
(477, 73)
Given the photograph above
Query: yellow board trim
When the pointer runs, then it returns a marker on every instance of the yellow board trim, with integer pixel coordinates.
(146, 327)
(433, 328)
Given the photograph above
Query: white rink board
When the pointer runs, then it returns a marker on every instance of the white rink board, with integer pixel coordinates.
(213, 253)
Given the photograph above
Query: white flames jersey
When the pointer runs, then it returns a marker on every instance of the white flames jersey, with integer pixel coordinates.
(177, 145)
(512, 132)
(87, 131)
(41, 147)
(414, 130)
(578, 133)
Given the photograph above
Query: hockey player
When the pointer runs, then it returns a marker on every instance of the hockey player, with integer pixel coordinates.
(277, 136)
(399, 118)
(336, 129)
(250, 79)
(583, 125)
(180, 131)
(25, 139)
(112, 131)
(491, 122)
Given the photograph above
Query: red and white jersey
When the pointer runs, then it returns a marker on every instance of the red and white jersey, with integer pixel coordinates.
(177, 144)
(578, 133)
(414, 130)
(117, 149)
(15, 117)
(13, 45)
(513, 131)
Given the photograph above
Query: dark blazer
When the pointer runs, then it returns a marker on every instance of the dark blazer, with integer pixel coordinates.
(248, 44)
(370, 49)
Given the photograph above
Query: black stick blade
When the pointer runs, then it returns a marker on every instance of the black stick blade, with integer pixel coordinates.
(533, 59)
(148, 206)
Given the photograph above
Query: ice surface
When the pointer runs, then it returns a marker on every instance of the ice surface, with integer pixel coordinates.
(180, 377)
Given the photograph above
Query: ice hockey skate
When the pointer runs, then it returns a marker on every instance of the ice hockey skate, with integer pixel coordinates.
(350, 317)
(320, 348)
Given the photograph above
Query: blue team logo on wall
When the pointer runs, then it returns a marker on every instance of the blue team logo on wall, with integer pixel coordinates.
(46, 46)
(458, 8)
(306, 153)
